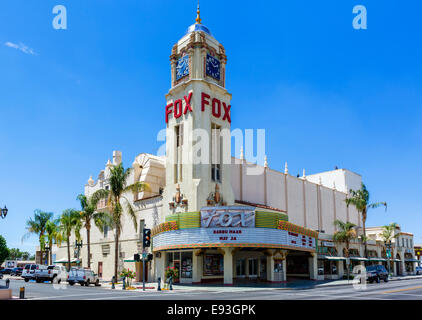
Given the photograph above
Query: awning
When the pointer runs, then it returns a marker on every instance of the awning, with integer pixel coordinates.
(321, 257)
(376, 259)
(411, 260)
(64, 260)
(358, 258)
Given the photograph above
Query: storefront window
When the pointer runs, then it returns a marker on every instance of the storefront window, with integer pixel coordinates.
(330, 267)
(320, 267)
(170, 259)
(177, 256)
(213, 265)
(186, 267)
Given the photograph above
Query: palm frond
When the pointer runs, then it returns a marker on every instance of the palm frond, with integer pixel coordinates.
(137, 187)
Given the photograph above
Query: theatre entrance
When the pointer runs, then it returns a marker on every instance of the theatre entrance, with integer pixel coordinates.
(298, 265)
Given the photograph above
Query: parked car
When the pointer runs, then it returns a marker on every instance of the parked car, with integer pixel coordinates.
(6, 271)
(376, 273)
(40, 272)
(50, 273)
(28, 272)
(83, 277)
(16, 271)
(418, 270)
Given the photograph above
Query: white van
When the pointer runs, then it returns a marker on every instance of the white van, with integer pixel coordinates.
(28, 272)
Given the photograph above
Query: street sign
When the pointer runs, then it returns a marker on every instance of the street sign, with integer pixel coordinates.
(144, 255)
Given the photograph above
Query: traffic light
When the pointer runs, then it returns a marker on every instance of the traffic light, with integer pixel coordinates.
(150, 256)
(137, 257)
(146, 240)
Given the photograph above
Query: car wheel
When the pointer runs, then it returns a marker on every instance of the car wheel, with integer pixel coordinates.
(26, 279)
(87, 283)
(386, 279)
(60, 280)
(97, 283)
(71, 283)
(371, 281)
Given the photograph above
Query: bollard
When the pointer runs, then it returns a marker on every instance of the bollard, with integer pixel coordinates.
(22, 293)
(112, 283)
(171, 282)
(124, 283)
(159, 284)
(7, 283)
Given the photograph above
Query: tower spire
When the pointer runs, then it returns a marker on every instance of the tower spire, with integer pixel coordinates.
(198, 15)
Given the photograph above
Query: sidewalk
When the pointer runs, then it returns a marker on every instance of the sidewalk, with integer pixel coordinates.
(293, 285)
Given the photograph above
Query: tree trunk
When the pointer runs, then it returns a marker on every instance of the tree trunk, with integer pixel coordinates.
(68, 254)
(41, 252)
(364, 233)
(50, 252)
(88, 238)
(116, 254)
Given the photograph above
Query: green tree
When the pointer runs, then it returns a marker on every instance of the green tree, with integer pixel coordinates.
(388, 234)
(4, 251)
(37, 226)
(53, 236)
(345, 234)
(89, 214)
(14, 253)
(360, 199)
(25, 255)
(115, 197)
(69, 221)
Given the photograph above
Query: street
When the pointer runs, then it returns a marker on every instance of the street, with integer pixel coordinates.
(393, 290)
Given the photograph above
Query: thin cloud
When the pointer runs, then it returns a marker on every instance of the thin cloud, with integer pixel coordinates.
(20, 47)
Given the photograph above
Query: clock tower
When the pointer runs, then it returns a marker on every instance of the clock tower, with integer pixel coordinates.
(198, 121)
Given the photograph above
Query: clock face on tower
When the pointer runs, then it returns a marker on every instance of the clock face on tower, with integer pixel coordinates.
(213, 67)
(182, 67)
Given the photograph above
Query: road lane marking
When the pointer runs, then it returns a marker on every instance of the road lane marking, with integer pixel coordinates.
(404, 289)
(79, 295)
(401, 290)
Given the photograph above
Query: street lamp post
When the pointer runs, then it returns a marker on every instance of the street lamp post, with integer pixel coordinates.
(78, 245)
(47, 252)
(388, 247)
(3, 212)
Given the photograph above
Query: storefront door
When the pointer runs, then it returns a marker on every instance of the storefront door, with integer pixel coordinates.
(240, 268)
(263, 269)
(253, 268)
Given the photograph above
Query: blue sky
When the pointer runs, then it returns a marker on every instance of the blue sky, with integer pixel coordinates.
(327, 95)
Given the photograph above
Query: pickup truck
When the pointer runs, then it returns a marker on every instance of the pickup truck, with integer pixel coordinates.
(51, 273)
(83, 277)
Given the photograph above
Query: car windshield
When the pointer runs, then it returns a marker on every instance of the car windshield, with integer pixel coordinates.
(27, 266)
(33, 267)
(50, 267)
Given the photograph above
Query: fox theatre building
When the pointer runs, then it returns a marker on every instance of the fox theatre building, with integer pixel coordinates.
(207, 235)
(234, 243)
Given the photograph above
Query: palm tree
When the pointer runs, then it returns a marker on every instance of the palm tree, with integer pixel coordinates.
(115, 196)
(69, 221)
(360, 199)
(38, 226)
(53, 236)
(388, 234)
(346, 233)
(88, 213)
